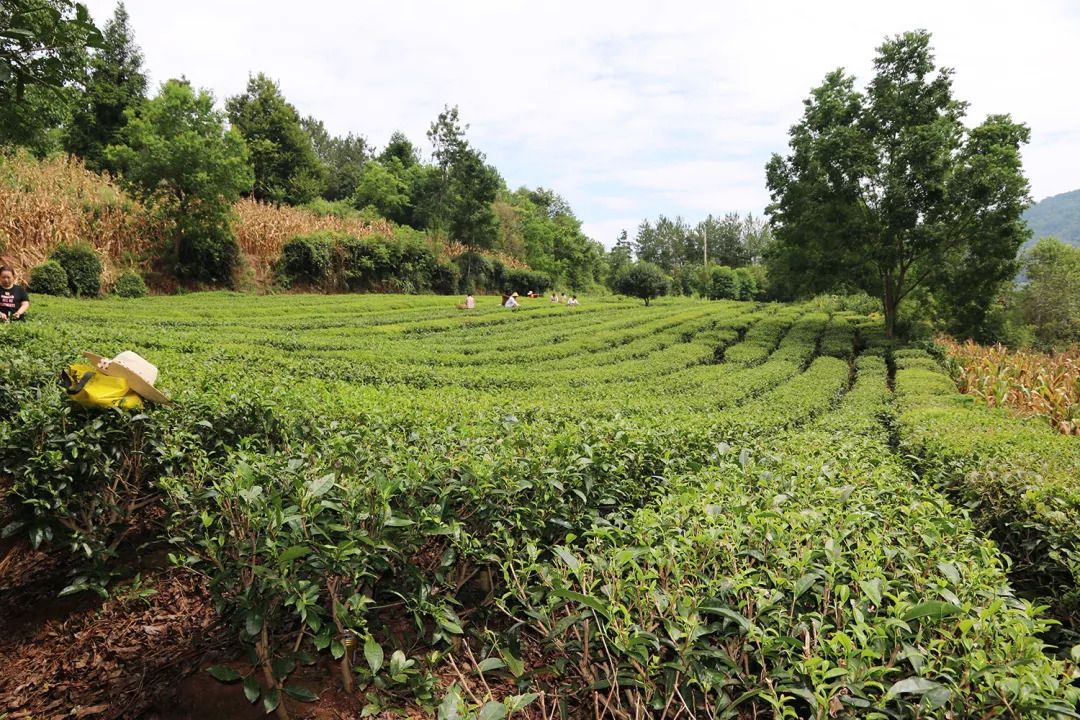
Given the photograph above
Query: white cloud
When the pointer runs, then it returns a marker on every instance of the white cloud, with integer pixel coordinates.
(628, 109)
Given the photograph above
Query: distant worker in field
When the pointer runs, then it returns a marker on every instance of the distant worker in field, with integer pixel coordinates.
(470, 302)
(554, 298)
(14, 300)
(511, 302)
(572, 300)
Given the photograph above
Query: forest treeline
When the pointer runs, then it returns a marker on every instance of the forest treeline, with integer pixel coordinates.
(175, 150)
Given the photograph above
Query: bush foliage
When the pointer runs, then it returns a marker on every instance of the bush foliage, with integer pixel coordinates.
(130, 284)
(49, 278)
(82, 266)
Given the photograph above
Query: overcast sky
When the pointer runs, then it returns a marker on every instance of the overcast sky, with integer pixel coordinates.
(627, 109)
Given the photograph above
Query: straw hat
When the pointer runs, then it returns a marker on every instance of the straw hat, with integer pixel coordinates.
(139, 373)
(514, 295)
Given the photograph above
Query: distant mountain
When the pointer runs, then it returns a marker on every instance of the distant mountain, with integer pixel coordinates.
(1058, 216)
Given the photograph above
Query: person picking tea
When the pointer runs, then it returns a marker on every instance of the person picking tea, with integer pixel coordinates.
(14, 300)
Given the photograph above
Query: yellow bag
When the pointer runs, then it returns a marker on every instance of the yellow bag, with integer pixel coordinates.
(91, 388)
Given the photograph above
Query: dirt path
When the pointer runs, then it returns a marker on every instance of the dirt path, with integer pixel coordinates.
(83, 657)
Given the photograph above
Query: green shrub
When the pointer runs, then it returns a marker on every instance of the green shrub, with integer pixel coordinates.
(748, 289)
(525, 280)
(206, 248)
(724, 284)
(309, 258)
(444, 278)
(130, 284)
(475, 272)
(1017, 475)
(49, 278)
(83, 268)
(404, 263)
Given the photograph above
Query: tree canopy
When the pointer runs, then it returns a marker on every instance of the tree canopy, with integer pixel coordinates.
(886, 190)
(43, 54)
(1050, 302)
(115, 83)
(343, 158)
(286, 168)
(42, 42)
(643, 280)
(176, 151)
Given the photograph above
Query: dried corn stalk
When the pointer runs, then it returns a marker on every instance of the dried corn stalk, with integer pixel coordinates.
(1046, 385)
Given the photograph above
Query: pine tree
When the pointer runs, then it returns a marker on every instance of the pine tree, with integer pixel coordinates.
(116, 82)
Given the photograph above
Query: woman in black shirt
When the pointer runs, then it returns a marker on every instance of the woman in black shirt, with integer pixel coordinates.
(14, 300)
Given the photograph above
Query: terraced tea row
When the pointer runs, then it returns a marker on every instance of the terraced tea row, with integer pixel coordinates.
(691, 508)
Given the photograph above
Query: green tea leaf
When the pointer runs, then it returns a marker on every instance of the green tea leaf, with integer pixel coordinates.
(914, 686)
(934, 609)
(517, 702)
(223, 673)
(318, 488)
(271, 699)
(585, 600)
(567, 557)
(489, 664)
(949, 570)
(253, 623)
(492, 710)
(373, 653)
(805, 583)
(292, 553)
(872, 588)
(300, 693)
(448, 708)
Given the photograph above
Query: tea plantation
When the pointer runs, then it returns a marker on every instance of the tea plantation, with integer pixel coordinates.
(692, 509)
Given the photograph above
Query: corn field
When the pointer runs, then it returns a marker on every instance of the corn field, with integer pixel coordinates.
(1034, 383)
(57, 201)
(454, 248)
(262, 229)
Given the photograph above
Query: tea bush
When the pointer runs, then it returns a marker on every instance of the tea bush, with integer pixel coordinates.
(1017, 475)
(689, 510)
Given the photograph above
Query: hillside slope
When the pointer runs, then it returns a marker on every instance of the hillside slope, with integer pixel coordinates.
(1057, 216)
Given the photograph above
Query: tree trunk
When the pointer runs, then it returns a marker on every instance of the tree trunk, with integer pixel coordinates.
(891, 300)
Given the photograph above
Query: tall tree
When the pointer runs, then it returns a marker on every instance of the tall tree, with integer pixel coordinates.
(176, 152)
(343, 158)
(671, 243)
(757, 238)
(42, 53)
(116, 83)
(726, 236)
(553, 239)
(286, 169)
(400, 147)
(467, 185)
(620, 258)
(385, 188)
(887, 191)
